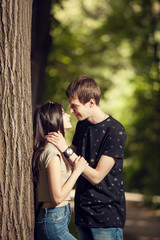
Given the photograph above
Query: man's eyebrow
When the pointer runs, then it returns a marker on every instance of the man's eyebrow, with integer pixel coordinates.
(74, 104)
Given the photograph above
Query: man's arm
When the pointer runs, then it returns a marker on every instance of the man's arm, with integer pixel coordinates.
(96, 175)
(93, 175)
(59, 141)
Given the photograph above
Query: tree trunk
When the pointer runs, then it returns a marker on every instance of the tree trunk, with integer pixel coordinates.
(16, 187)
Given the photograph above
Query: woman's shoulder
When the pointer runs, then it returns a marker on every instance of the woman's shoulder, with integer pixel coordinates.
(51, 148)
(50, 151)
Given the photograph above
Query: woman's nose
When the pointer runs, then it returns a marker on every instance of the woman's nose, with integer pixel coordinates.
(71, 110)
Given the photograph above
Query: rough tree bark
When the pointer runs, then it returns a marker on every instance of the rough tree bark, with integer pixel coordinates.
(16, 187)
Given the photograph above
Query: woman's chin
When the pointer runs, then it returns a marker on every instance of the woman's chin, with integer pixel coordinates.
(69, 127)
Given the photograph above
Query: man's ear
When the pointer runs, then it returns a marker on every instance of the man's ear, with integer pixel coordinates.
(92, 102)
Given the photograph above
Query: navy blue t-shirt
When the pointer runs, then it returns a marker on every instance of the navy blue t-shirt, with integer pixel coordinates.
(101, 205)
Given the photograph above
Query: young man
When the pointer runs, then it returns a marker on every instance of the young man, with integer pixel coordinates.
(100, 210)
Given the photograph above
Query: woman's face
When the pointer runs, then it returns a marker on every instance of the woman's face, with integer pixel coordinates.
(66, 121)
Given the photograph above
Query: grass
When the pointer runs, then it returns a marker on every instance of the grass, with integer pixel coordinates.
(73, 228)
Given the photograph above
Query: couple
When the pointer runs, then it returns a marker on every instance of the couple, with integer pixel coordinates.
(94, 162)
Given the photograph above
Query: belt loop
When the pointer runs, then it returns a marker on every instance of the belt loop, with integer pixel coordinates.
(66, 209)
(45, 212)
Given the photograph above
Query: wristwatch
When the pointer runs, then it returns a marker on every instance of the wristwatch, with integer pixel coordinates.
(68, 152)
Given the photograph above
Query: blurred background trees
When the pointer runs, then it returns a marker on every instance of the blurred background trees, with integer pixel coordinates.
(118, 44)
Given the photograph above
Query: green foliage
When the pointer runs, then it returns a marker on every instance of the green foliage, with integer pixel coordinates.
(117, 43)
(72, 228)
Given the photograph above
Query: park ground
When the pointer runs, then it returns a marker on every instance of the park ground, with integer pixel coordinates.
(142, 223)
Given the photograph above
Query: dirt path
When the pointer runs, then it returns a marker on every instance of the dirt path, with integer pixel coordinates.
(141, 223)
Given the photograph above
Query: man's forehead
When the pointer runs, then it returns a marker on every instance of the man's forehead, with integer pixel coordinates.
(74, 101)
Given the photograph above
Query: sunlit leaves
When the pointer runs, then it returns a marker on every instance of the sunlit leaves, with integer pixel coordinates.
(118, 44)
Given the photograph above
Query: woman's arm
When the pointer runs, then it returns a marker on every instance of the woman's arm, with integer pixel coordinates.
(58, 192)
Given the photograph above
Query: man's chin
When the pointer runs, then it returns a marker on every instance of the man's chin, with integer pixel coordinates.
(80, 118)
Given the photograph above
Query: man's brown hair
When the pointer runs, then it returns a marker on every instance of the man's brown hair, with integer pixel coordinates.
(84, 88)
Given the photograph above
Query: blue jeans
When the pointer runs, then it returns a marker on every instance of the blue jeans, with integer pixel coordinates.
(100, 233)
(52, 223)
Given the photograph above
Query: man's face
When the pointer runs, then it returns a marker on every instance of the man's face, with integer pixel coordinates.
(80, 110)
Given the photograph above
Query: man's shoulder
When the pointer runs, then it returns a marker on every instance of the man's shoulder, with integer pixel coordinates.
(114, 123)
(116, 128)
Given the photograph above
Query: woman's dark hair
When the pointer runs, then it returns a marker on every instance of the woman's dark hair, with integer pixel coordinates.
(47, 118)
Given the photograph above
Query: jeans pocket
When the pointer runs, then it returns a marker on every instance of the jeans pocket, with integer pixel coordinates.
(59, 216)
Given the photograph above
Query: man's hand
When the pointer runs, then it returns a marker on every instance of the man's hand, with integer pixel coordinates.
(57, 139)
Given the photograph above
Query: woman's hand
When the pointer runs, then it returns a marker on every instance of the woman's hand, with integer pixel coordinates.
(80, 164)
(57, 139)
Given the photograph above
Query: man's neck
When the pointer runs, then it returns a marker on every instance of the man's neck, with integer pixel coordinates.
(97, 116)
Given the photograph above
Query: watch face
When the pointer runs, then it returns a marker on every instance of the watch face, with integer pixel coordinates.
(69, 151)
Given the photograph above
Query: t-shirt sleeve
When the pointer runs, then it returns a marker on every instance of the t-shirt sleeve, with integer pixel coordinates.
(114, 144)
(49, 153)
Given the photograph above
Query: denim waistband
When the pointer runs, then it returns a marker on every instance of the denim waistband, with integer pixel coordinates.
(45, 211)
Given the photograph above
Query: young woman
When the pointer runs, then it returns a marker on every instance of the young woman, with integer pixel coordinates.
(53, 174)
